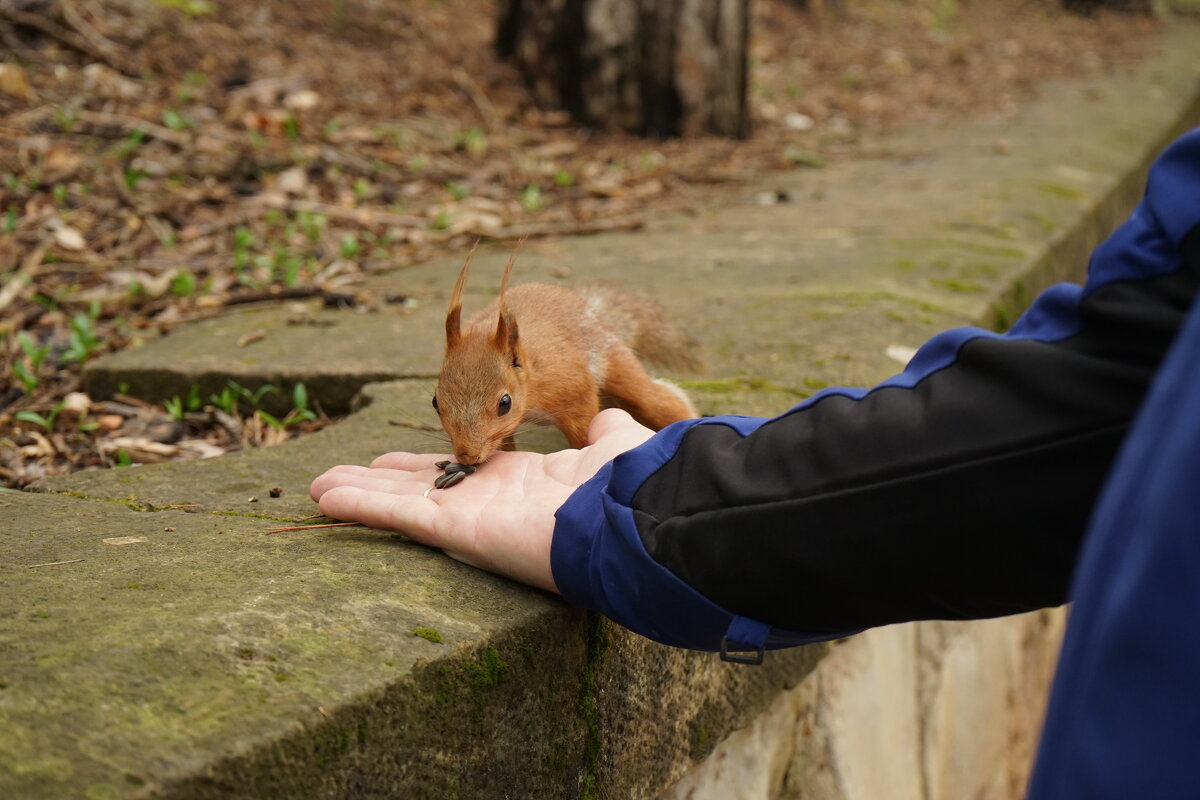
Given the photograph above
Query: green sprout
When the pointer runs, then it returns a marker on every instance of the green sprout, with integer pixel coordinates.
(311, 225)
(84, 339)
(184, 284)
(45, 422)
(175, 121)
(174, 408)
(28, 379)
(133, 176)
(288, 267)
(65, 118)
(243, 240)
(300, 411)
(28, 375)
(35, 354)
(473, 140)
(193, 8)
(234, 394)
(194, 403)
(531, 198)
(132, 142)
(350, 246)
(227, 401)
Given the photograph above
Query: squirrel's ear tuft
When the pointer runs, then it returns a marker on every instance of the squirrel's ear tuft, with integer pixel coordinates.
(508, 270)
(506, 328)
(454, 312)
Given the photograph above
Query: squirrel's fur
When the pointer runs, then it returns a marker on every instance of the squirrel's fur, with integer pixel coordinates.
(547, 354)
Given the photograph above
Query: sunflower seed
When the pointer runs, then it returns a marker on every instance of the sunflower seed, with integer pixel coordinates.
(448, 480)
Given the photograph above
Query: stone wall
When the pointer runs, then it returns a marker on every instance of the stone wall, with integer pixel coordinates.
(925, 711)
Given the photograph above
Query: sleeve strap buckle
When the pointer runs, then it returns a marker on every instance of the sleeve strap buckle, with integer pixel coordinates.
(745, 641)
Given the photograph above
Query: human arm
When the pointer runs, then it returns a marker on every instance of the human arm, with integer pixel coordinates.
(959, 488)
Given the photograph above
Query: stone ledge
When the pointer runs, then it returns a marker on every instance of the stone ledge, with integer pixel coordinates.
(216, 660)
(186, 654)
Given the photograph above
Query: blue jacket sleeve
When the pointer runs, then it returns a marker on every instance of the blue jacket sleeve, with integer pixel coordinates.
(959, 488)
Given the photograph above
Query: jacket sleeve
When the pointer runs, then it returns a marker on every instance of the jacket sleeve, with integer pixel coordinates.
(959, 488)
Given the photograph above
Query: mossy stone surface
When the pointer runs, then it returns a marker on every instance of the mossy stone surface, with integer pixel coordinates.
(197, 655)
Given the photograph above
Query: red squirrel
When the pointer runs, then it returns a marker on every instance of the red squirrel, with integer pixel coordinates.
(546, 354)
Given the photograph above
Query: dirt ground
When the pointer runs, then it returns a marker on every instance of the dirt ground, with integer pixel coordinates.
(162, 160)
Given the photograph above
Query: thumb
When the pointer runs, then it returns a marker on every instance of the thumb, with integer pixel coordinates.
(614, 422)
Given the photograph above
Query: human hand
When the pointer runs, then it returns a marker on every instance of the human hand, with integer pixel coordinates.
(501, 518)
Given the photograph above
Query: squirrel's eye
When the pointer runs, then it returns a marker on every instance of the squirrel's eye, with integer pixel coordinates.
(505, 405)
(435, 402)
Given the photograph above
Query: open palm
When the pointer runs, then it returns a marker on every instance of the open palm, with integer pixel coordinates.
(500, 519)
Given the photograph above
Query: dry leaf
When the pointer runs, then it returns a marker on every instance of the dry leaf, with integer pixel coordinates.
(139, 449)
(68, 238)
(76, 403)
(303, 100)
(13, 81)
(120, 541)
(293, 181)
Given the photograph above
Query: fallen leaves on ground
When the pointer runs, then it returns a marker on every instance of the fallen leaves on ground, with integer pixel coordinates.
(162, 162)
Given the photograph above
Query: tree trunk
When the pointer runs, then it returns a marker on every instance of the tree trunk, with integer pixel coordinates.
(652, 67)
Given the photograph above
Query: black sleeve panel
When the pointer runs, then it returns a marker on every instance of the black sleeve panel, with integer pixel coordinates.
(963, 496)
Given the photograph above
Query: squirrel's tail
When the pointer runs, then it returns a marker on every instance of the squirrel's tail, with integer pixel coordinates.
(641, 323)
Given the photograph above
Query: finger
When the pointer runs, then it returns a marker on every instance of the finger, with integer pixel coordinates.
(410, 514)
(394, 481)
(371, 483)
(334, 476)
(409, 461)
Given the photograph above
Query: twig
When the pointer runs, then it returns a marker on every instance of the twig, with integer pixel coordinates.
(310, 527)
(252, 337)
(363, 216)
(76, 262)
(24, 276)
(274, 293)
(123, 190)
(130, 124)
(562, 228)
(491, 119)
(85, 29)
(55, 563)
(68, 37)
(13, 133)
(137, 402)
